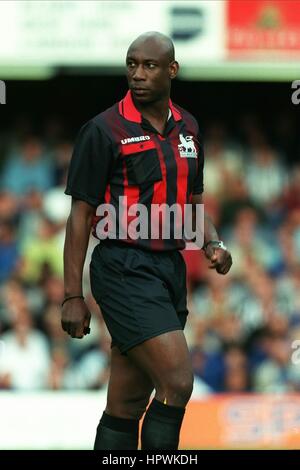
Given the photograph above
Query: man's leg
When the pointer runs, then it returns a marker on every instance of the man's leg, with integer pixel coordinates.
(129, 391)
(166, 360)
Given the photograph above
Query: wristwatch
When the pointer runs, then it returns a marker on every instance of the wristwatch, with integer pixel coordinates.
(216, 244)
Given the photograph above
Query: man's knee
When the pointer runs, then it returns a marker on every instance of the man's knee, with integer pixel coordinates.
(165, 358)
(176, 388)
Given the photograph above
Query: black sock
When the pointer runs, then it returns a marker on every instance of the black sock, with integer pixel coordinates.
(116, 433)
(161, 426)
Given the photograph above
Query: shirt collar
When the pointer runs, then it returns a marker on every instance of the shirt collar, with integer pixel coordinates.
(128, 110)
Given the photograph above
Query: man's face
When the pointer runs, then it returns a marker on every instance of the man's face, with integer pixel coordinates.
(149, 72)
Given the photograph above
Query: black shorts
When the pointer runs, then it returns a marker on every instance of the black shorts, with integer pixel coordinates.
(141, 294)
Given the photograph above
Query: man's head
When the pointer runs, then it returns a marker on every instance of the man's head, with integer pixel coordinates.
(151, 66)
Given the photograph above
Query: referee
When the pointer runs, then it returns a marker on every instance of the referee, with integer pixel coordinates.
(146, 151)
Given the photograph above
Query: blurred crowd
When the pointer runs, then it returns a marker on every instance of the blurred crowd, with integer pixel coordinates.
(241, 326)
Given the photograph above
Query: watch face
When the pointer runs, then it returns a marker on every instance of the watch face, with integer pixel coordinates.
(221, 245)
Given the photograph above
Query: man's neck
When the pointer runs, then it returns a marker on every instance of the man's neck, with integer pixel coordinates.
(157, 111)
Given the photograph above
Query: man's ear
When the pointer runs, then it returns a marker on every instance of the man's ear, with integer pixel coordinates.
(173, 69)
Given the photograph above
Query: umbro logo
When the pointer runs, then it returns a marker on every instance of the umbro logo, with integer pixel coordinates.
(141, 138)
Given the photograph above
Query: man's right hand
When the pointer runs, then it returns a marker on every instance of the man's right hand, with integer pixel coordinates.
(75, 318)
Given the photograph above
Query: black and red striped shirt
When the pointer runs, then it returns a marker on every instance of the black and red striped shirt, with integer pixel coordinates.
(121, 160)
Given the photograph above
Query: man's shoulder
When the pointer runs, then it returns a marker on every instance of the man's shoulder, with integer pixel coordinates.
(101, 122)
(186, 115)
(105, 117)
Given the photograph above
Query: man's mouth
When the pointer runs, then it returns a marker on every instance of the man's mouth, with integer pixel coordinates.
(139, 90)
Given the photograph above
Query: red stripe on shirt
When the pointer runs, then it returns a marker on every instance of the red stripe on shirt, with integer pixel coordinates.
(159, 197)
(132, 193)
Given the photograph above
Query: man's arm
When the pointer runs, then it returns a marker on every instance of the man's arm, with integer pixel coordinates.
(75, 315)
(220, 258)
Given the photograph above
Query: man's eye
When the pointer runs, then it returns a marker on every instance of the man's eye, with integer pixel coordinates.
(130, 65)
(151, 66)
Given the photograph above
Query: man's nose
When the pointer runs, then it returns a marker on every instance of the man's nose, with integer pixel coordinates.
(139, 73)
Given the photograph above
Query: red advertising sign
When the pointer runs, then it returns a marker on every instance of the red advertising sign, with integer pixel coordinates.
(257, 27)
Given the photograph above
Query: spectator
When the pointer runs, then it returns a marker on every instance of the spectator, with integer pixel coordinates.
(28, 170)
(24, 364)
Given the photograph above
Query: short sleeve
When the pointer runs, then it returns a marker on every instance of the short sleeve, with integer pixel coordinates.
(90, 165)
(198, 182)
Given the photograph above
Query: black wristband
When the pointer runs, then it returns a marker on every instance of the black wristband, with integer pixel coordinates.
(72, 297)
